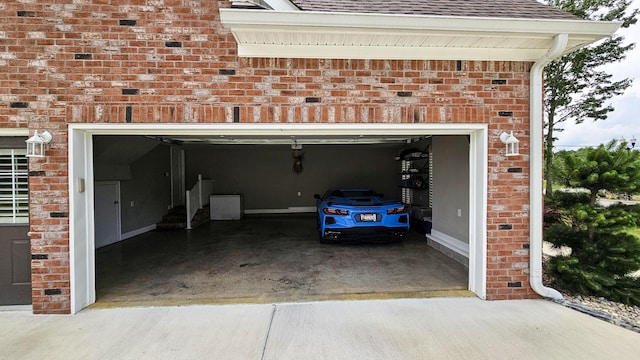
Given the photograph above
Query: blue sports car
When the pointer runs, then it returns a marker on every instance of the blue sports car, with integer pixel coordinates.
(360, 215)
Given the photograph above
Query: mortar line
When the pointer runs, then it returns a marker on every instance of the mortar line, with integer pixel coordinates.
(266, 339)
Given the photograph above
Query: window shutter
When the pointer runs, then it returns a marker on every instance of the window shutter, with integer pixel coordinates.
(14, 189)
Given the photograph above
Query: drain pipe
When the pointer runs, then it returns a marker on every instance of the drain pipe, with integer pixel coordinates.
(536, 158)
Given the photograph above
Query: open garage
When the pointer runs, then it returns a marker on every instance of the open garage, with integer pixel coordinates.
(272, 252)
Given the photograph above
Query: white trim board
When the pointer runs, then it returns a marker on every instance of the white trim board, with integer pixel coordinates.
(136, 232)
(451, 243)
(289, 210)
(278, 130)
(14, 132)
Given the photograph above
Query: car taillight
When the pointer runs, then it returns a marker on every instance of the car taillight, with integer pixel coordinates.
(397, 210)
(332, 211)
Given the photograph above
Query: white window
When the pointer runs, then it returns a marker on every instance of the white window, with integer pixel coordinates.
(14, 190)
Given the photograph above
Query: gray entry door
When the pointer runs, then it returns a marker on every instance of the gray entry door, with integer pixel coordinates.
(15, 265)
(107, 207)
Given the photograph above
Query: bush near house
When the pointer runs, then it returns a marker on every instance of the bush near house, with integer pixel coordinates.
(604, 253)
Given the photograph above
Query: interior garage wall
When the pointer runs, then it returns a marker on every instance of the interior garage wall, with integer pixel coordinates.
(143, 176)
(264, 175)
(149, 189)
(451, 186)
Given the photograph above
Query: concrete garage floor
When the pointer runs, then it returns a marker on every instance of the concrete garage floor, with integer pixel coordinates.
(267, 259)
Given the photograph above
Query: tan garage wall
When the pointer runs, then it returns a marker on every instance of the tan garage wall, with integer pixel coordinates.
(451, 186)
(264, 175)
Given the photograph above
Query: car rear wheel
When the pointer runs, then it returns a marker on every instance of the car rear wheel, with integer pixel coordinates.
(324, 240)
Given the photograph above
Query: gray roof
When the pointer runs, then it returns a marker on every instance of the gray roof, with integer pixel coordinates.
(518, 9)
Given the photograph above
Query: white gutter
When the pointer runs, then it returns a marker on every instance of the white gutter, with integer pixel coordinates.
(337, 22)
(536, 158)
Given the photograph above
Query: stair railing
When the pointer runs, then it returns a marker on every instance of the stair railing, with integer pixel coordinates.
(198, 197)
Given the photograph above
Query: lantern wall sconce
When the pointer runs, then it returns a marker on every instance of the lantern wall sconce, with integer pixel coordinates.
(512, 144)
(37, 144)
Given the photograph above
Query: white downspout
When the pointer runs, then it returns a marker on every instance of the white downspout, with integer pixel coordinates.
(536, 165)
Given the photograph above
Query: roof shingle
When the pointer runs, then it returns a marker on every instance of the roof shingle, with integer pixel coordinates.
(529, 9)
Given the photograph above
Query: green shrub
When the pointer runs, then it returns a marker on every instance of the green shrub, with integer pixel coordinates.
(603, 252)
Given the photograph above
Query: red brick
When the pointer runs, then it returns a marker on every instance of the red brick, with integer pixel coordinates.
(440, 95)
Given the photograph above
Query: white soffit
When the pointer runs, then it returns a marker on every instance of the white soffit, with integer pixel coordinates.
(298, 34)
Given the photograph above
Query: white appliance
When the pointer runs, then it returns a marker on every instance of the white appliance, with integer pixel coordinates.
(225, 207)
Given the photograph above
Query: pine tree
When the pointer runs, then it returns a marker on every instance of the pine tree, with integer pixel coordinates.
(577, 88)
(603, 254)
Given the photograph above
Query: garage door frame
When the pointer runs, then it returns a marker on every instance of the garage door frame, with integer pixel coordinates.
(81, 237)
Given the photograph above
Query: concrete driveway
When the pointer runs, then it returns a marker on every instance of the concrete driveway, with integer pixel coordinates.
(437, 328)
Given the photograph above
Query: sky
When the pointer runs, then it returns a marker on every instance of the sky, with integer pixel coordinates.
(624, 121)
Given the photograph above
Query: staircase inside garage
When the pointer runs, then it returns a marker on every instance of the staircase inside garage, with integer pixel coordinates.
(176, 218)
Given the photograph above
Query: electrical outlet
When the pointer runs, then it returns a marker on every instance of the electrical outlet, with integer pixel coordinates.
(459, 212)
(299, 193)
(133, 203)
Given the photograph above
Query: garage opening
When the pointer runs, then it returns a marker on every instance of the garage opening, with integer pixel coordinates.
(271, 250)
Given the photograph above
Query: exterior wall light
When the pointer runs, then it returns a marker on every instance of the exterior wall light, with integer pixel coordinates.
(512, 144)
(38, 143)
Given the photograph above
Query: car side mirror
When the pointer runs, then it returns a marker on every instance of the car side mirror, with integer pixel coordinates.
(381, 195)
(316, 196)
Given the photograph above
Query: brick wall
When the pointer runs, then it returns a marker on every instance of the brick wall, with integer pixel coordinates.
(168, 61)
